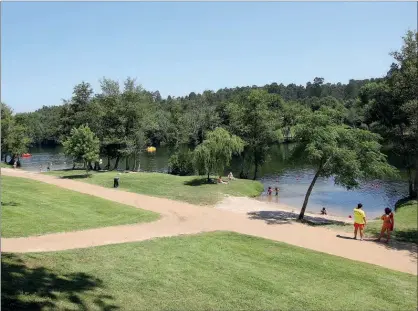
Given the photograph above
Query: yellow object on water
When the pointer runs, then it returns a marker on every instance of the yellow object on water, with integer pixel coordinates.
(151, 149)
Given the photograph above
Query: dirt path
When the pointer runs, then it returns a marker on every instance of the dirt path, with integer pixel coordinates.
(181, 218)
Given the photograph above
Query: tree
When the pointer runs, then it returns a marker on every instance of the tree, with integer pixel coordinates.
(215, 153)
(82, 145)
(253, 121)
(337, 150)
(6, 122)
(17, 141)
(385, 103)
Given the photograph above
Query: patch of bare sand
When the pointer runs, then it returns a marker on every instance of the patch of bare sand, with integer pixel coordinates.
(278, 211)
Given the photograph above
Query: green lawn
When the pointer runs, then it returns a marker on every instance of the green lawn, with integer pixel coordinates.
(5, 165)
(190, 189)
(406, 229)
(212, 271)
(34, 208)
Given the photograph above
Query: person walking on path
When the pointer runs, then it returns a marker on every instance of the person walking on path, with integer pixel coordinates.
(387, 225)
(359, 221)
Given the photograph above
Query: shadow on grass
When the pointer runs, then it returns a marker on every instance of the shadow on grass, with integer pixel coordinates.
(80, 176)
(10, 203)
(37, 288)
(199, 182)
(283, 217)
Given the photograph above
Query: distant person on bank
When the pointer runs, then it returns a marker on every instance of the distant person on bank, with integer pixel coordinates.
(359, 221)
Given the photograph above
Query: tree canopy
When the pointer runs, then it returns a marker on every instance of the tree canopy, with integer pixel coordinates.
(215, 152)
(335, 149)
(82, 145)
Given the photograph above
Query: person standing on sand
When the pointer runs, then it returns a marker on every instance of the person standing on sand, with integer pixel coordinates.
(359, 221)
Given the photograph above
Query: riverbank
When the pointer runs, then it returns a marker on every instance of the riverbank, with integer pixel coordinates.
(190, 189)
(277, 211)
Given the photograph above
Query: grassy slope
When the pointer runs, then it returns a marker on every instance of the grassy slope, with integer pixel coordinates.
(33, 208)
(190, 189)
(406, 229)
(213, 271)
(405, 223)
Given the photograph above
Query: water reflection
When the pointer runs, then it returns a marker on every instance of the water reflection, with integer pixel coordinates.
(292, 177)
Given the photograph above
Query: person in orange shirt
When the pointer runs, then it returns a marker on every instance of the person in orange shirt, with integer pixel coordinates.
(359, 221)
(388, 223)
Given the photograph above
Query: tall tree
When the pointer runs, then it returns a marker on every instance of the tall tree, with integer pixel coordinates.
(335, 149)
(83, 145)
(253, 121)
(385, 103)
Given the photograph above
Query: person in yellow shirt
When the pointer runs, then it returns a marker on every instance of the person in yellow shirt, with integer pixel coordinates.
(359, 221)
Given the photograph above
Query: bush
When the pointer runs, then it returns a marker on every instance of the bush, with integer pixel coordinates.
(181, 163)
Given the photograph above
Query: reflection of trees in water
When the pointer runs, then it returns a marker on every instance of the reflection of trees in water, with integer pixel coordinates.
(38, 288)
(279, 160)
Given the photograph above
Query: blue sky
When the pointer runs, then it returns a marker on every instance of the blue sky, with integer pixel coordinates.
(177, 48)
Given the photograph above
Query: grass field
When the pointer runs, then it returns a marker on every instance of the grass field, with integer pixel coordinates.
(5, 165)
(189, 189)
(212, 271)
(34, 208)
(406, 228)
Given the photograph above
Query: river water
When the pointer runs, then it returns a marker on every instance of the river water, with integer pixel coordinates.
(292, 178)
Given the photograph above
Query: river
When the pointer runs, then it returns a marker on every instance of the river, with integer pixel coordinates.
(292, 178)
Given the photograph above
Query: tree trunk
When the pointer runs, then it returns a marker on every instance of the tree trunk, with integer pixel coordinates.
(241, 173)
(117, 163)
(127, 163)
(108, 163)
(256, 168)
(208, 177)
(415, 190)
(308, 193)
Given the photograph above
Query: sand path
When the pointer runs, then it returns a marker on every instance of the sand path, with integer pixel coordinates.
(182, 218)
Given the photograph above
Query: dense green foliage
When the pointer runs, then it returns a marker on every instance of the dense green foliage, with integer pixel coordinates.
(47, 209)
(391, 106)
(83, 146)
(14, 136)
(211, 271)
(216, 151)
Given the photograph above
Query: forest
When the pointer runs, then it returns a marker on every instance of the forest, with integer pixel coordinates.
(127, 118)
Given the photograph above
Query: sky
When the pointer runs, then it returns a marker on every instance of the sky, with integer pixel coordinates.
(181, 47)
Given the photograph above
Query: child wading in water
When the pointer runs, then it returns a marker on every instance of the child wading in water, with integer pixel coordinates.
(387, 225)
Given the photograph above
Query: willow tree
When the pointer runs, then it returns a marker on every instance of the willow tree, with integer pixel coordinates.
(216, 151)
(335, 149)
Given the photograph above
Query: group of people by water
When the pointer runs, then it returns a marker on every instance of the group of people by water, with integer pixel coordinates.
(359, 218)
(230, 178)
